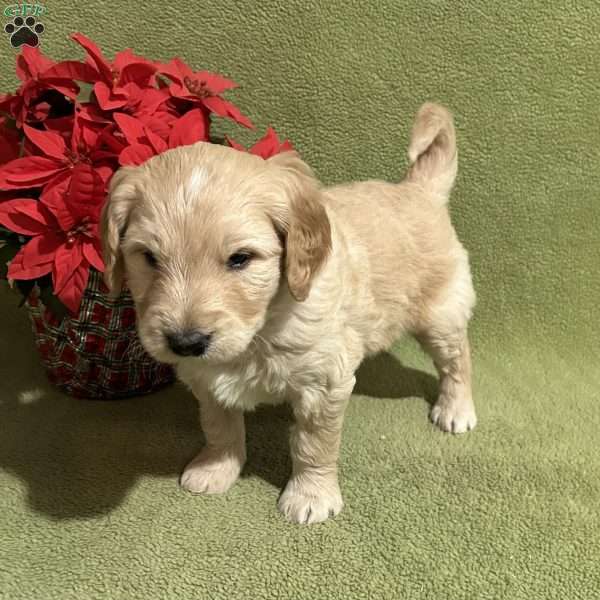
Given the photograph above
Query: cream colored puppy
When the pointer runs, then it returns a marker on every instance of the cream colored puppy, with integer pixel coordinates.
(259, 285)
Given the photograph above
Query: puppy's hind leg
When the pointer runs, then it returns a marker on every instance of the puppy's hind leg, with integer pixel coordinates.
(443, 335)
(454, 410)
(220, 462)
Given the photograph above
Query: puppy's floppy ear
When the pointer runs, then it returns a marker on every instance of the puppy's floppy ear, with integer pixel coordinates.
(305, 224)
(122, 195)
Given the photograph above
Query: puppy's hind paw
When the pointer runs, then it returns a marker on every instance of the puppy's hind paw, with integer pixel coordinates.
(453, 417)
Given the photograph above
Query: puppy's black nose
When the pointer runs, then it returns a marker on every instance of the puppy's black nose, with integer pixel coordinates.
(192, 342)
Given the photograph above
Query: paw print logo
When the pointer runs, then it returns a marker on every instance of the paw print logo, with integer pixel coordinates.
(24, 32)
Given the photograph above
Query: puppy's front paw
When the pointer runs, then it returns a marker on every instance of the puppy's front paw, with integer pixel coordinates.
(211, 474)
(454, 416)
(302, 503)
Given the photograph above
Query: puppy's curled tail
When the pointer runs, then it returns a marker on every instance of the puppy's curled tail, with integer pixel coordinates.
(432, 151)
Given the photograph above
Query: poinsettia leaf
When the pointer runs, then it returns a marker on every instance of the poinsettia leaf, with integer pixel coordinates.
(72, 291)
(161, 122)
(148, 100)
(105, 172)
(127, 57)
(16, 269)
(267, 146)
(24, 216)
(91, 112)
(135, 155)
(22, 69)
(49, 142)
(61, 125)
(226, 109)
(54, 198)
(93, 256)
(10, 145)
(67, 259)
(176, 70)
(103, 155)
(286, 147)
(95, 55)
(31, 62)
(89, 134)
(179, 91)
(215, 83)
(28, 172)
(132, 128)
(156, 142)
(189, 129)
(140, 73)
(235, 144)
(41, 249)
(112, 138)
(86, 193)
(72, 69)
(107, 98)
(39, 112)
(67, 88)
(7, 102)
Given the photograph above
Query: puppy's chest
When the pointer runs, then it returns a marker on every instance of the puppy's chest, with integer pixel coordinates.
(257, 380)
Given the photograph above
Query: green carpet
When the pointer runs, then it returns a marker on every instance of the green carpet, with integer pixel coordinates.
(89, 503)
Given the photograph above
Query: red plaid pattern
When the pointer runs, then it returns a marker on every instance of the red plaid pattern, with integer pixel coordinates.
(96, 354)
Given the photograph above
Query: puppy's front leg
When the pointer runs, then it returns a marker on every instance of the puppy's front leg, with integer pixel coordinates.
(220, 462)
(313, 493)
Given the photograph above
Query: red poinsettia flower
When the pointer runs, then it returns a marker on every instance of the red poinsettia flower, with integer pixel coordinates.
(59, 157)
(144, 143)
(149, 105)
(267, 146)
(202, 89)
(63, 226)
(120, 81)
(39, 76)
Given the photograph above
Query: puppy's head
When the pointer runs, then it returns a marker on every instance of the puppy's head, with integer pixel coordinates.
(204, 235)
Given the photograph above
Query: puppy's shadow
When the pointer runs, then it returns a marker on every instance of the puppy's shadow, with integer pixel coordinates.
(382, 376)
(267, 441)
(79, 459)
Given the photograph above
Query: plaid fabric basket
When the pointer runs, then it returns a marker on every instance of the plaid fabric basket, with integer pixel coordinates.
(96, 354)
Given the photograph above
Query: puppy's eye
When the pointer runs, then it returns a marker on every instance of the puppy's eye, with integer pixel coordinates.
(239, 260)
(151, 260)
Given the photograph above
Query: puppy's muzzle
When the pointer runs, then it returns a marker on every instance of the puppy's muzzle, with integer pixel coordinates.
(191, 342)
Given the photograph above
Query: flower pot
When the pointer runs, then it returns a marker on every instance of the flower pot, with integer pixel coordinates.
(96, 354)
